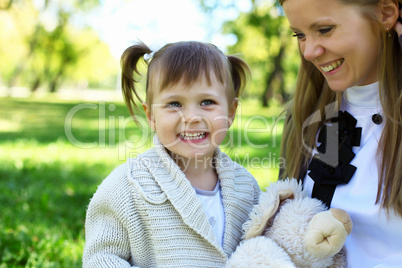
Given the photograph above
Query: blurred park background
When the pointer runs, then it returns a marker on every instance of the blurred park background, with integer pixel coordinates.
(63, 124)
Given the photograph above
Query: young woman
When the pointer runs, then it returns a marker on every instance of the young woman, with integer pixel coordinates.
(183, 202)
(343, 136)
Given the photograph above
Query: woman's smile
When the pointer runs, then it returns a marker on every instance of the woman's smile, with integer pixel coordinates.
(328, 68)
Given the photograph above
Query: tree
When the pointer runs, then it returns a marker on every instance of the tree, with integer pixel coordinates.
(46, 51)
(5, 4)
(53, 55)
(263, 39)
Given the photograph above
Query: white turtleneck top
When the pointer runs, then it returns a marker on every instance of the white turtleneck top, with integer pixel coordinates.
(376, 238)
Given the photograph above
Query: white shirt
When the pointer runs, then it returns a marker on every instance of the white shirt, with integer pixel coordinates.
(375, 240)
(213, 207)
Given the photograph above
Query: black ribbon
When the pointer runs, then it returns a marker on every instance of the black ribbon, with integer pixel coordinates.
(331, 165)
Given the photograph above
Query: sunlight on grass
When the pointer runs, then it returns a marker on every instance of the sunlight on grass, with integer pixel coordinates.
(7, 125)
(48, 187)
(47, 180)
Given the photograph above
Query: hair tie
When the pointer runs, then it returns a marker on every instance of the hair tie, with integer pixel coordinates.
(148, 56)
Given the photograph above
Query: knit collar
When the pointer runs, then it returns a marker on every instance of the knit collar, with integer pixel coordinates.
(363, 96)
(183, 197)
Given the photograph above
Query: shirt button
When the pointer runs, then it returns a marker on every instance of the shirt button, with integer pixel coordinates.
(377, 119)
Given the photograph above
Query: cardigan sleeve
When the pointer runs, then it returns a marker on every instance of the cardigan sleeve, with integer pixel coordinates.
(107, 243)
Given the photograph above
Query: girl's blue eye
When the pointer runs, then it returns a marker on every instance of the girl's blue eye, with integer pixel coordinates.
(207, 102)
(174, 104)
(299, 36)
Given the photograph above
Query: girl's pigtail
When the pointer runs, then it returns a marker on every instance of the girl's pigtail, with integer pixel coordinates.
(128, 62)
(240, 73)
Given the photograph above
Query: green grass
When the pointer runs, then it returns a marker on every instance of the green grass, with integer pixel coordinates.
(55, 153)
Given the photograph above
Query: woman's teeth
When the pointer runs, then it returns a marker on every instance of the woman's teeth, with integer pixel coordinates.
(332, 66)
(192, 136)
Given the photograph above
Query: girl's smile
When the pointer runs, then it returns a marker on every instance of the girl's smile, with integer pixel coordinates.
(193, 137)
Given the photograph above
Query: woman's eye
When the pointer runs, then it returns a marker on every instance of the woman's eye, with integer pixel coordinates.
(299, 36)
(174, 104)
(207, 102)
(325, 30)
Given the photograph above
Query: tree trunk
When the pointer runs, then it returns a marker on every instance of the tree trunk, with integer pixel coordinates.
(21, 66)
(275, 76)
(35, 85)
(55, 80)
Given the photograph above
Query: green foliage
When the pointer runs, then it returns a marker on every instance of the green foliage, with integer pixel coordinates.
(48, 176)
(263, 40)
(41, 47)
(261, 34)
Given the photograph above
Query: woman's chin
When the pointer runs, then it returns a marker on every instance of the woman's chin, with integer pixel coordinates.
(337, 87)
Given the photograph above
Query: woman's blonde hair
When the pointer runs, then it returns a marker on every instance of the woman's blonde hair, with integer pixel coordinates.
(313, 94)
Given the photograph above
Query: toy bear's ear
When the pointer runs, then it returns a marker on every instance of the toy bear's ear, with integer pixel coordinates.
(261, 215)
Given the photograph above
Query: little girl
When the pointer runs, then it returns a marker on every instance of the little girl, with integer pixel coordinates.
(183, 202)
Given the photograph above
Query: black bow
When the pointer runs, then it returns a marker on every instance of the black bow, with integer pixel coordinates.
(331, 165)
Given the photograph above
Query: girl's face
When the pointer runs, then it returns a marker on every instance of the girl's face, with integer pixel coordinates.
(337, 39)
(192, 121)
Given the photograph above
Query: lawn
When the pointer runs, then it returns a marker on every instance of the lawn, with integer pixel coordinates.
(54, 153)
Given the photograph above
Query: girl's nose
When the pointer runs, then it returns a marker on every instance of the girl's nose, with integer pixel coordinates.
(191, 115)
(312, 49)
(192, 119)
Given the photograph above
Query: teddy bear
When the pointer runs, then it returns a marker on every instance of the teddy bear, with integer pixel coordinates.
(289, 229)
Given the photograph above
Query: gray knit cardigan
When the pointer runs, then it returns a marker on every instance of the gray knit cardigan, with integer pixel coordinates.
(147, 214)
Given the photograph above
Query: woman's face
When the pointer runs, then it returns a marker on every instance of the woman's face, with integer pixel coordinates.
(337, 39)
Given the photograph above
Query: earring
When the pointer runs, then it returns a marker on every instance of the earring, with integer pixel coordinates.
(388, 32)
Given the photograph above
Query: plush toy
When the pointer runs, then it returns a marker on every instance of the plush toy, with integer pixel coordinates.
(289, 229)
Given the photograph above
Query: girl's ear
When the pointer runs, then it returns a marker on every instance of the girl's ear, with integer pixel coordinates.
(148, 113)
(232, 110)
(389, 13)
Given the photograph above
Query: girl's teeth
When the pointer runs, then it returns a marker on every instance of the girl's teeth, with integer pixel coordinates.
(192, 136)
